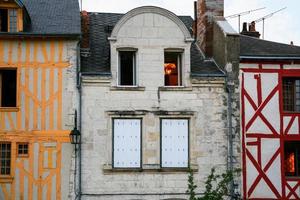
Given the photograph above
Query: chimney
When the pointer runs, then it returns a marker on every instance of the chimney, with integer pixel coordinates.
(206, 11)
(252, 31)
(85, 26)
(85, 29)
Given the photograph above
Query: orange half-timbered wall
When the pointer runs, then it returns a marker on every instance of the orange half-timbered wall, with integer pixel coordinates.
(44, 71)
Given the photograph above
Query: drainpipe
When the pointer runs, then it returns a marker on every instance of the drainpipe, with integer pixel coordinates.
(230, 90)
(78, 85)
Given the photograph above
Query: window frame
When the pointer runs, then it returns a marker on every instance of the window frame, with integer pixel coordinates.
(12, 108)
(188, 140)
(292, 77)
(10, 164)
(297, 158)
(22, 155)
(17, 13)
(135, 74)
(180, 55)
(141, 142)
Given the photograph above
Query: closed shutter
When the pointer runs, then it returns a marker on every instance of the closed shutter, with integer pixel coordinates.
(174, 144)
(127, 143)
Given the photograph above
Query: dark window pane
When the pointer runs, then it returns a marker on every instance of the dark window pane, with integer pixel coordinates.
(3, 20)
(8, 88)
(127, 67)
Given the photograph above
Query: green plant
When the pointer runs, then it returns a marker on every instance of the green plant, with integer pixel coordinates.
(216, 186)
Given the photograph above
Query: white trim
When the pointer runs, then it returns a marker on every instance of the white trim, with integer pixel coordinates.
(151, 9)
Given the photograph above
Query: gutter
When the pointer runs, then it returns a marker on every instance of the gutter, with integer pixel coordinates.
(40, 35)
(270, 57)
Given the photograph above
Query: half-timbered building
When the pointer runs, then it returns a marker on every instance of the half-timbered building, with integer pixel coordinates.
(38, 51)
(270, 99)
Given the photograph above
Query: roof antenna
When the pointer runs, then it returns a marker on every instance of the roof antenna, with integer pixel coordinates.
(243, 13)
(265, 17)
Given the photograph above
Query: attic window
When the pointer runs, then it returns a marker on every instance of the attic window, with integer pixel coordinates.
(8, 20)
(172, 68)
(127, 68)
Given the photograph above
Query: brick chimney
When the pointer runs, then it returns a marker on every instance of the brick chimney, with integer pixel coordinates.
(85, 29)
(251, 32)
(206, 11)
(85, 26)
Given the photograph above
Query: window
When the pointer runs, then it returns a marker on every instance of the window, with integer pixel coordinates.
(12, 20)
(8, 87)
(8, 20)
(127, 68)
(23, 149)
(127, 143)
(172, 68)
(292, 158)
(3, 20)
(5, 157)
(174, 143)
(291, 94)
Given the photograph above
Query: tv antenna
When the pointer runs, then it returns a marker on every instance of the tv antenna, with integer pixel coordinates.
(243, 13)
(266, 17)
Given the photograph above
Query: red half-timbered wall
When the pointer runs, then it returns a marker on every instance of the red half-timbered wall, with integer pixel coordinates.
(265, 128)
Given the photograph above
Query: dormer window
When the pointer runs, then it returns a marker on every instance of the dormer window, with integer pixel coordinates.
(8, 20)
(172, 68)
(127, 67)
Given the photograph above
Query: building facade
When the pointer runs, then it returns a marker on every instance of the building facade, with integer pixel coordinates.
(269, 74)
(153, 102)
(38, 55)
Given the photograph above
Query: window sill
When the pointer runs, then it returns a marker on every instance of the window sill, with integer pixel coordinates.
(175, 88)
(292, 178)
(127, 88)
(107, 168)
(9, 109)
(6, 179)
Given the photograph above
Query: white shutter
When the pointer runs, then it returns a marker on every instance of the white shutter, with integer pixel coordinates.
(127, 143)
(174, 144)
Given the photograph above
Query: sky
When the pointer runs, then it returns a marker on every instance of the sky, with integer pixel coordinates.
(282, 27)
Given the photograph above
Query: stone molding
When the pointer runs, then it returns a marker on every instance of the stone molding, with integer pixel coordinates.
(151, 9)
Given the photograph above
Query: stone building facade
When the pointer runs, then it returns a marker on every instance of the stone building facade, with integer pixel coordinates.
(142, 127)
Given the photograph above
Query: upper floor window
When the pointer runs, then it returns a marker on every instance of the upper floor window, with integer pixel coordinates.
(5, 158)
(8, 20)
(127, 68)
(174, 143)
(292, 158)
(8, 87)
(172, 68)
(291, 94)
(127, 143)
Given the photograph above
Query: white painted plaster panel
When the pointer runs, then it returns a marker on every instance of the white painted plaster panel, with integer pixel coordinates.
(268, 81)
(268, 149)
(258, 126)
(272, 112)
(250, 84)
(274, 173)
(250, 66)
(268, 66)
(291, 66)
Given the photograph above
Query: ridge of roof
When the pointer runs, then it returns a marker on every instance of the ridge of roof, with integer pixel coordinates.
(250, 46)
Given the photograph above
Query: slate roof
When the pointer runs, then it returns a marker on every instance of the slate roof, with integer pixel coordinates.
(98, 61)
(254, 47)
(52, 17)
